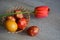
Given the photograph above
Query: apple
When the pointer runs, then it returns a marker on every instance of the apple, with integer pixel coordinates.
(33, 30)
(22, 23)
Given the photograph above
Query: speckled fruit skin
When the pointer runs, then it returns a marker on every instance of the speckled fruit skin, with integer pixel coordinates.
(11, 25)
(33, 30)
(22, 23)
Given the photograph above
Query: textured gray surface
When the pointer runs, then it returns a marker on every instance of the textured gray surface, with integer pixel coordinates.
(50, 26)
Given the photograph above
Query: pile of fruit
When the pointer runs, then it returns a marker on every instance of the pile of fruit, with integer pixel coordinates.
(18, 22)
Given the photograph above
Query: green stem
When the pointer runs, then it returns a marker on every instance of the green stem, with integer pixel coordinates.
(7, 14)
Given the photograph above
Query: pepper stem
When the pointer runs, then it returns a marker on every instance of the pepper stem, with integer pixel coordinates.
(7, 14)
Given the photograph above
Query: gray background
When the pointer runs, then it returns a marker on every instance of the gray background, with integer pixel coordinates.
(50, 26)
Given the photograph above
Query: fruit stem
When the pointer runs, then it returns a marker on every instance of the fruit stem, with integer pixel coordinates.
(7, 14)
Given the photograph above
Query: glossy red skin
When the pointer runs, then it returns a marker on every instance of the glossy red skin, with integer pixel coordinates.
(33, 31)
(42, 8)
(41, 11)
(22, 23)
(41, 14)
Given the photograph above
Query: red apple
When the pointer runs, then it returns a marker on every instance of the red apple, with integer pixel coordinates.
(22, 23)
(33, 30)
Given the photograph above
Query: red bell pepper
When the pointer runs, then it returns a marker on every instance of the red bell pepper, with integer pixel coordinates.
(41, 11)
